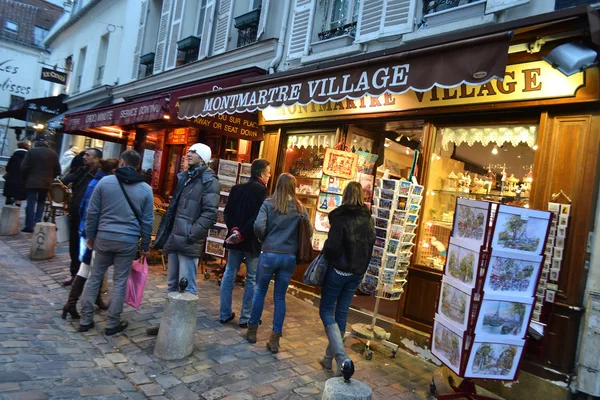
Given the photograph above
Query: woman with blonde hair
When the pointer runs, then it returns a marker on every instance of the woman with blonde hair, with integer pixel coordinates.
(276, 226)
(348, 250)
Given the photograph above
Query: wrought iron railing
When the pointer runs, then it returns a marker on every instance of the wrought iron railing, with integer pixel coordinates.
(441, 5)
(348, 29)
(247, 36)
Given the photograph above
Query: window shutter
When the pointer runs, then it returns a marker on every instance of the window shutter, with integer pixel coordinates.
(385, 18)
(176, 23)
(262, 22)
(163, 32)
(499, 5)
(140, 40)
(301, 26)
(223, 27)
(209, 17)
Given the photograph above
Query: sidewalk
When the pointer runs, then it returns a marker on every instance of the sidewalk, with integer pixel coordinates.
(42, 356)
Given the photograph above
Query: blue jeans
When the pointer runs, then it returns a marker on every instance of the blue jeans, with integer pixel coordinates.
(180, 266)
(33, 196)
(283, 266)
(336, 296)
(234, 259)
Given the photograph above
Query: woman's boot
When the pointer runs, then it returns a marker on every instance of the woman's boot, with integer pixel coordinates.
(250, 334)
(327, 360)
(273, 343)
(74, 295)
(337, 346)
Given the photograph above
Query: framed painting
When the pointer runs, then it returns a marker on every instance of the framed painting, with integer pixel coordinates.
(215, 247)
(462, 261)
(228, 169)
(521, 230)
(512, 274)
(217, 233)
(339, 163)
(246, 170)
(455, 302)
(502, 317)
(490, 359)
(447, 343)
(227, 184)
(471, 219)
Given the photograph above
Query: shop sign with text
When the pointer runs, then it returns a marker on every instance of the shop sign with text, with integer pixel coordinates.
(240, 126)
(529, 81)
(177, 136)
(54, 76)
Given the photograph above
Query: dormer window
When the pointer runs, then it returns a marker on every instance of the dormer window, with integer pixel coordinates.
(188, 50)
(11, 26)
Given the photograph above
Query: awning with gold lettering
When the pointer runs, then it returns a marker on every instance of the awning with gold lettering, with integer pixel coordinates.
(472, 61)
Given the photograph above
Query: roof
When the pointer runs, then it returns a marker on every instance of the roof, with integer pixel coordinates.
(27, 14)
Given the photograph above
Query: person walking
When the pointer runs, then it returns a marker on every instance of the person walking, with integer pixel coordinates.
(14, 187)
(67, 158)
(276, 226)
(240, 213)
(191, 213)
(106, 167)
(39, 168)
(121, 210)
(348, 250)
(79, 181)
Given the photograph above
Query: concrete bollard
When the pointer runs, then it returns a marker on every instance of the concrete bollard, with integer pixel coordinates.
(9, 220)
(337, 389)
(43, 244)
(177, 327)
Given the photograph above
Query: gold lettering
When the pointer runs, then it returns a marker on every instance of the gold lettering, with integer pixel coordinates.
(510, 85)
(375, 102)
(350, 104)
(338, 105)
(486, 87)
(531, 76)
(388, 99)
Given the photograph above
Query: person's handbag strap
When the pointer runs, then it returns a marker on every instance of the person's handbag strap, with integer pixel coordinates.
(129, 202)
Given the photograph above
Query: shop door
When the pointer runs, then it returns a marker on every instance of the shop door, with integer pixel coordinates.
(174, 160)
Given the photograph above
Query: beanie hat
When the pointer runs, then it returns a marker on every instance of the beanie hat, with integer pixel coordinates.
(202, 150)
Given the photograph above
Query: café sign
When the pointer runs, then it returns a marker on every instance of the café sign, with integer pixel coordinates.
(54, 76)
(528, 81)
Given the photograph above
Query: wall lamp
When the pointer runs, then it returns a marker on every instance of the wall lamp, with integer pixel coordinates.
(570, 58)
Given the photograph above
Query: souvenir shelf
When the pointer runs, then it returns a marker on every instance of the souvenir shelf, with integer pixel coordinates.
(492, 270)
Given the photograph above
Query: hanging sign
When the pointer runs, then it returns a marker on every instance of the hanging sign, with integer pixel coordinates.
(53, 76)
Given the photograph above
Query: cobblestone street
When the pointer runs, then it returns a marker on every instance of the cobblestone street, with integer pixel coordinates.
(43, 356)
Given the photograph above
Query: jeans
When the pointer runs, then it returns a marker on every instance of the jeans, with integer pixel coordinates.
(108, 252)
(336, 296)
(234, 259)
(33, 196)
(283, 266)
(180, 266)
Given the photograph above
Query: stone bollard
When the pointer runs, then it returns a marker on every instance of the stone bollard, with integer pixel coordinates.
(9, 220)
(43, 244)
(337, 389)
(177, 327)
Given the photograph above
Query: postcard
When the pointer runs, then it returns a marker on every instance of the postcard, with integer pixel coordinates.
(417, 190)
(447, 343)
(387, 194)
(388, 276)
(462, 261)
(389, 184)
(565, 209)
(512, 274)
(413, 209)
(381, 213)
(554, 274)
(385, 204)
(215, 247)
(520, 229)
(410, 228)
(396, 232)
(550, 296)
(393, 246)
(381, 233)
(494, 359)
(554, 207)
(415, 200)
(228, 169)
(373, 270)
(399, 217)
(563, 220)
(470, 220)
(246, 169)
(412, 218)
(501, 315)
(402, 203)
(369, 285)
(455, 303)
(404, 188)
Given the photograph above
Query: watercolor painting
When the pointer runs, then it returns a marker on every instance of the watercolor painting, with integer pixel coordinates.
(470, 223)
(454, 304)
(246, 169)
(512, 275)
(328, 202)
(447, 345)
(494, 360)
(215, 248)
(520, 229)
(462, 263)
(503, 318)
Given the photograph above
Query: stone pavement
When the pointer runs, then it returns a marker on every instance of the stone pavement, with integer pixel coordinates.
(43, 356)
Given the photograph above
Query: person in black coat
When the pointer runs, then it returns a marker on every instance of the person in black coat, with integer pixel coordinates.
(240, 213)
(348, 250)
(14, 187)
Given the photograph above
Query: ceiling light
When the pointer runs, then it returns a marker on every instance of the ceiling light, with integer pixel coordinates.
(386, 144)
(495, 150)
(166, 116)
(407, 151)
(535, 147)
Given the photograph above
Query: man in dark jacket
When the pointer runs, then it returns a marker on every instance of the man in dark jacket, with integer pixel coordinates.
(38, 170)
(121, 210)
(240, 213)
(79, 181)
(191, 213)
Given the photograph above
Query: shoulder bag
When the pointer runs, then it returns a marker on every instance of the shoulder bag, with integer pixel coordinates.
(129, 202)
(304, 243)
(316, 271)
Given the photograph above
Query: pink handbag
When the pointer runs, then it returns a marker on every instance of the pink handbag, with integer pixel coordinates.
(136, 283)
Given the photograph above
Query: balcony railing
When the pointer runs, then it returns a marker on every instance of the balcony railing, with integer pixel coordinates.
(441, 5)
(348, 29)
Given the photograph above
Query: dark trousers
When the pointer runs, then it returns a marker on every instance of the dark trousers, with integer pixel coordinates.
(33, 215)
(74, 243)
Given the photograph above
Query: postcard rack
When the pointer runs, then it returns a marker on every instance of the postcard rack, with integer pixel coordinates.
(493, 267)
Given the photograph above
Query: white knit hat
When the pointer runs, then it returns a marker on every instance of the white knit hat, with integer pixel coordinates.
(202, 150)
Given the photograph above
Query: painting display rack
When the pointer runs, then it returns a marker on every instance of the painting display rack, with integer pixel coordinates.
(486, 301)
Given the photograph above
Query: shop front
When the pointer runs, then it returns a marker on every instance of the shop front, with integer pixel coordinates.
(517, 140)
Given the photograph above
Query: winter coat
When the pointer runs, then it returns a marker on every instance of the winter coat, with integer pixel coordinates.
(279, 232)
(109, 215)
(192, 212)
(79, 180)
(241, 210)
(39, 167)
(351, 238)
(14, 186)
(86, 200)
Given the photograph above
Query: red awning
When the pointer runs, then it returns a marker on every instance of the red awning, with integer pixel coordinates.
(472, 61)
(117, 114)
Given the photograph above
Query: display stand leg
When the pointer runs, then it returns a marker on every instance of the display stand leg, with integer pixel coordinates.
(368, 354)
(466, 390)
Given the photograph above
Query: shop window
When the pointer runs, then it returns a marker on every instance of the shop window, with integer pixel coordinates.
(493, 163)
(15, 100)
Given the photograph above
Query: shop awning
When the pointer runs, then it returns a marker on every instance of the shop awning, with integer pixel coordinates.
(472, 61)
(126, 113)
(57, 122)
(48, 106)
